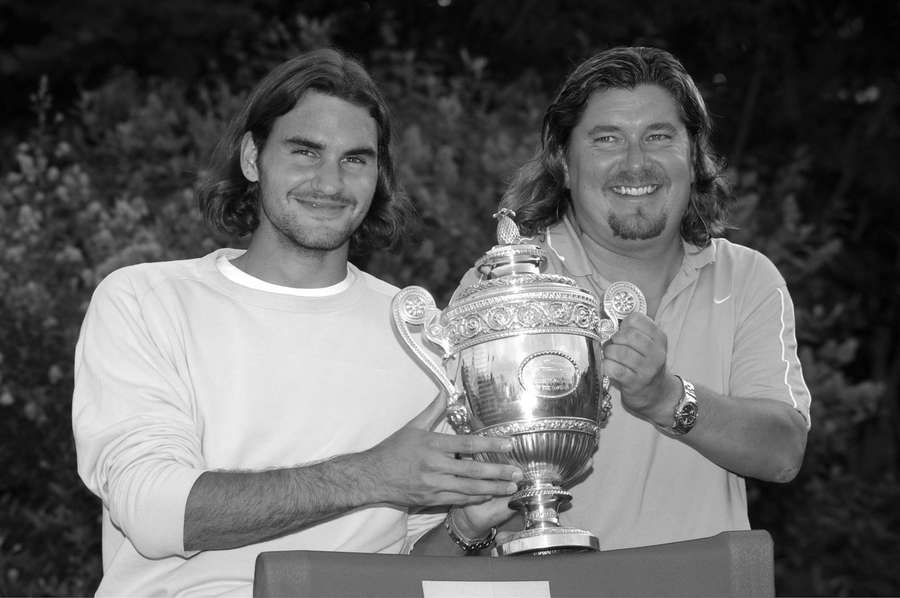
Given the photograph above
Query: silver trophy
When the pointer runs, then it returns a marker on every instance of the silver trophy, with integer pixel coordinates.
(519, 362)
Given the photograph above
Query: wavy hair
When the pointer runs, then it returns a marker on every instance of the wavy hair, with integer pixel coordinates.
(230, 203)
(537, 192)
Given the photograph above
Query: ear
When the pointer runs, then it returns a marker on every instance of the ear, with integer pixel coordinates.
(249, 156)
(566, 182)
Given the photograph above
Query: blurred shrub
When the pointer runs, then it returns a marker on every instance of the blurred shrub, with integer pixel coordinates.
(110, 186)
(460, 138)
(836, 525)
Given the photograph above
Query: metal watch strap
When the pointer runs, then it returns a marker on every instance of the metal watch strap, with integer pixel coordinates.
(687, 409)
(468, 544)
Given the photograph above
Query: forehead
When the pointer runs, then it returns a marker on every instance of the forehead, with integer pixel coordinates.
(328, 120)
(641, 106)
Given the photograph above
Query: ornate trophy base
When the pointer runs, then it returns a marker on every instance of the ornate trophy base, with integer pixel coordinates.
(539, 502)
(549, 541)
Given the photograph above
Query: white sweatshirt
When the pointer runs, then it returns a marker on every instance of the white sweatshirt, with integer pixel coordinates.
(181, 368)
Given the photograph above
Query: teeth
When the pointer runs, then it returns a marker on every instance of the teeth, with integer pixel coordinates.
(645, 190)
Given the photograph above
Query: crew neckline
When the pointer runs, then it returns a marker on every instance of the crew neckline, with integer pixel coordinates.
(238, 276)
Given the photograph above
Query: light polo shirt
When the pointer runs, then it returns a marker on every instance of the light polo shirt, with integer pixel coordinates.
(729, 320)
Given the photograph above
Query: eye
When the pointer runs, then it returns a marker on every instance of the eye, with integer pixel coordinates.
(659, 137)
(304, 153)
(604, 139)
(358, 161)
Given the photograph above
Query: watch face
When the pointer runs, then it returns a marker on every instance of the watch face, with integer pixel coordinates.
(686, 417)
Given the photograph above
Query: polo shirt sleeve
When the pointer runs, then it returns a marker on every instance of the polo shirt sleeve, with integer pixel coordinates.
(137, 443)
(765, 362)
(419, 524)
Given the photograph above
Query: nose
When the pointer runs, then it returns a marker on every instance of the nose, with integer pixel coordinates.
(635, 156)
(328, 178)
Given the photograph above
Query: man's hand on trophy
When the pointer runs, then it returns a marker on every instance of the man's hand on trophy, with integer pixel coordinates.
(418, 467)
(635, 361)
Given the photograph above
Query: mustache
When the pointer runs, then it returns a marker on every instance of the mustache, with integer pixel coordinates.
(648, 175)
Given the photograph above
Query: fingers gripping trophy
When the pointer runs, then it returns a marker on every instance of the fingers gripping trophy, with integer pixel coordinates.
(519, 361)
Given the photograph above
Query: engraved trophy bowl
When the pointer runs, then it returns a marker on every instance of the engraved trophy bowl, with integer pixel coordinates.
(519, 361)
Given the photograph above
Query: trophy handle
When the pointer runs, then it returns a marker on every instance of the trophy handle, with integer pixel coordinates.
(414, 306)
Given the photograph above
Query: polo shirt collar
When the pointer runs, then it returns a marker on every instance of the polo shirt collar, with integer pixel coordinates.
(564, 240)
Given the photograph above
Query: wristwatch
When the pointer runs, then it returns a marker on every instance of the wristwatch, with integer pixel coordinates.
(467, 544)
(687, 409)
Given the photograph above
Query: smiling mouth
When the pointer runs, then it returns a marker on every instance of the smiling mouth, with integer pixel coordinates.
(635, 191)
(323, 204)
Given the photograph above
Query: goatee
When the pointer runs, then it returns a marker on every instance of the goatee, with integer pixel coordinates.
(637, 226)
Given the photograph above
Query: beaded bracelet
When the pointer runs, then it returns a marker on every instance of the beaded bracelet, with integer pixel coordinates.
(467, 544)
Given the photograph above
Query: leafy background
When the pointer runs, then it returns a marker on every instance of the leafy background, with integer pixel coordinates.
(110, 109)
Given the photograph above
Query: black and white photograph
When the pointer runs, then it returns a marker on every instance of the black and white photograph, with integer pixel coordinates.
(443, 298)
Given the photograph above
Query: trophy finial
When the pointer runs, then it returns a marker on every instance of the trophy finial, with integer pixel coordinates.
(507, 229)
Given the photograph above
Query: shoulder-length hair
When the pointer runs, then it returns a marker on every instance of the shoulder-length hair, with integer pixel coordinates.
(230, 203)
(537, 192)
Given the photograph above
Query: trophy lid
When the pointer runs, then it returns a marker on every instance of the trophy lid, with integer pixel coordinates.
(512, 254)
(515, 261)
(514, 297)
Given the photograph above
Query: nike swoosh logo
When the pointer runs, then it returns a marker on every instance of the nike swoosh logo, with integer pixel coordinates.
(721, 301)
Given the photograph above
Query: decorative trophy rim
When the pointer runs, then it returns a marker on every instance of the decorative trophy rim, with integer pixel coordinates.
(544, 424)
(523, 280)
(498, 254)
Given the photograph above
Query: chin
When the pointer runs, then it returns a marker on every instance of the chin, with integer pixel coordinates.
(636, 228)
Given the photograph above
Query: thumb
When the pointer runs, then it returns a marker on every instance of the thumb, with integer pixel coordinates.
(431, 415)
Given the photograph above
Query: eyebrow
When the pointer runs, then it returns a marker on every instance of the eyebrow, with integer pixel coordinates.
(657, 126)
(663, 126)
(600, 129)
(364, 150)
